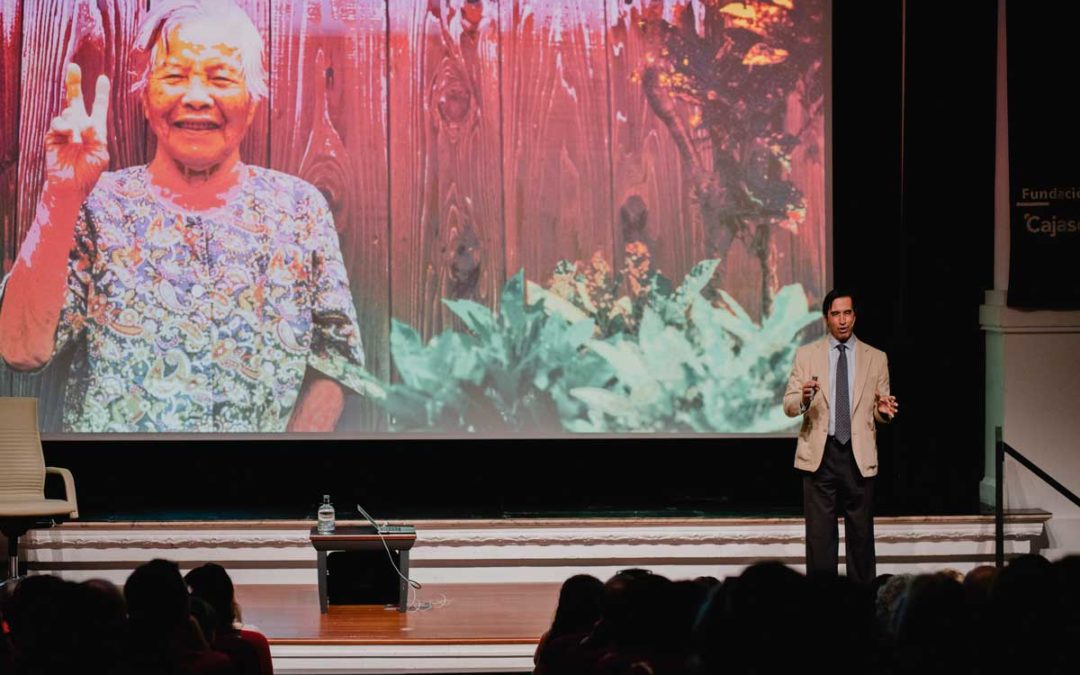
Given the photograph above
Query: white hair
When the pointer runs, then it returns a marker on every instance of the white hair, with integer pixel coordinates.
(167, 15)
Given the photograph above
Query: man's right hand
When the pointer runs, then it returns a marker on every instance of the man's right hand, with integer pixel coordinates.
(809, 388)
(76, 149)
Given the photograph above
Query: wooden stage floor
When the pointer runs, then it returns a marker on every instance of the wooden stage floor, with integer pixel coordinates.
(452, 628)
(455, 614)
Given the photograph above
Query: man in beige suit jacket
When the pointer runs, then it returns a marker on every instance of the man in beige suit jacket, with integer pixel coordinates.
(840, 387)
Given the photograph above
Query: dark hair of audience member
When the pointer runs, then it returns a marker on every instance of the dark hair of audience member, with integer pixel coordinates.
(1067, 582)
(157, 598)
(649, 633)
(578, 610)
(878, 582)
(248, 650)
(687, 599)
(1023, 593)
(977, 586)
(1023, 614)
(843, 611)
(614, 610)
(41, 624)
(211, 583)
(205, 617)
(164, 637)
(647, 625)
(579, 605)
(748, 616)
(59, 626)
(102, 626)
(934, 631)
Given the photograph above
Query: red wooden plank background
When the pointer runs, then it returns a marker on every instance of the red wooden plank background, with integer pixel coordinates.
(652, 201)
(556, 157)
(457, 141)
(445, 166)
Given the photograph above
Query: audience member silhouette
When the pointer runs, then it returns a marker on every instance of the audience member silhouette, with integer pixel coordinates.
(41, 626)
(1023, 616)
(1067, 585)
(575, 616)
(756, 622)
(101, 631)
(934, 631)
(7, 655)
(644, 637)
(769, 619)
(206, 618)
(164, 637)
(248, 649)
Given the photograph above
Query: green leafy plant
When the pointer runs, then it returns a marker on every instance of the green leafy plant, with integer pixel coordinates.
(512, 371)
(677, 361)
(698, 367)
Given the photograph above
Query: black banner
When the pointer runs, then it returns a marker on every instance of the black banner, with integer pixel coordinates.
(1044, 156)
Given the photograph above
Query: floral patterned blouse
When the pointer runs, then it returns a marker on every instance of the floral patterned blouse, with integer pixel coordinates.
(204, 321)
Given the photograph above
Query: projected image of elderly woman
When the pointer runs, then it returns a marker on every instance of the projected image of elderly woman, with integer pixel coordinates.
(203, 294)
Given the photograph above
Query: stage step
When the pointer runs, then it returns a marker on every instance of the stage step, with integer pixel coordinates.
(521, 551)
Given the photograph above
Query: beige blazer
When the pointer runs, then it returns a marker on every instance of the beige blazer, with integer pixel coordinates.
(871, 376)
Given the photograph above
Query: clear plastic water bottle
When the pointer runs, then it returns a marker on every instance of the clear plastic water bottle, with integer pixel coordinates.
(326, 516)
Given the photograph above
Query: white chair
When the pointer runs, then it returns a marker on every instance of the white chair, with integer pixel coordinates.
(23, 505)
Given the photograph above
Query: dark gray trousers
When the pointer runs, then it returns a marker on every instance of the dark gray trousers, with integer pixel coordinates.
(838, 489)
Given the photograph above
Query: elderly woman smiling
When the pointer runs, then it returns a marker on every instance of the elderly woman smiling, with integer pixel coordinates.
(202, 294)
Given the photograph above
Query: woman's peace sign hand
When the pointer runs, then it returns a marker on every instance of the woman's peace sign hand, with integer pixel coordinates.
(76, 149)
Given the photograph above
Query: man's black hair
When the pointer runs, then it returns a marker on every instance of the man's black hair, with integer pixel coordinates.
(833, 295)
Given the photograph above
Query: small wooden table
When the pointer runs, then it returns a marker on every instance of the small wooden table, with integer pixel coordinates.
(398, 538)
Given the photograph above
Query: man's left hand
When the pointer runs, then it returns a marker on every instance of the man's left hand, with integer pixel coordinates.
(886, 405)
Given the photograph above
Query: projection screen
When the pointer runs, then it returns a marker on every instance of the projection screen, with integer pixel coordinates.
(422, 217)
